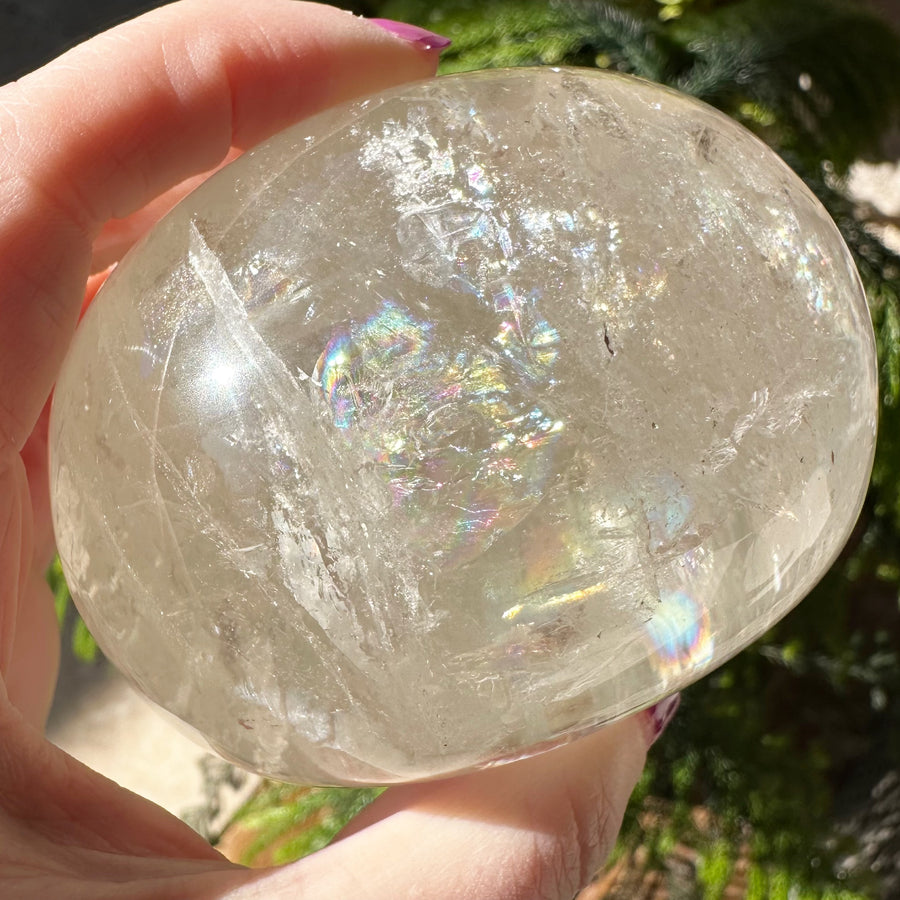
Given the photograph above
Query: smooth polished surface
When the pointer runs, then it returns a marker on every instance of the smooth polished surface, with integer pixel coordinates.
(456, 422)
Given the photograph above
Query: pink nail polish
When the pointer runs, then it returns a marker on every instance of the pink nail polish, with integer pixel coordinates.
(428, 40)
(659, 716)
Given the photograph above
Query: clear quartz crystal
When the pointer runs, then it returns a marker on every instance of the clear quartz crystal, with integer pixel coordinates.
(458, 421)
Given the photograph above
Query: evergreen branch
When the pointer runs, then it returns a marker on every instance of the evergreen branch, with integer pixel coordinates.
(826, 70)
(816, 78)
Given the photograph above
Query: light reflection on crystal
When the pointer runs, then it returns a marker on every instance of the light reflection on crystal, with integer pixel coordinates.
(530, 607)
(528, 341)
(809, 265)
(356, 366)
(477, 180)
(453, 434)
(668, 509)
(680, 635)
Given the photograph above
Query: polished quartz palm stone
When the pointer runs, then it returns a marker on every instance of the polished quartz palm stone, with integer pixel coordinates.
(455, 422)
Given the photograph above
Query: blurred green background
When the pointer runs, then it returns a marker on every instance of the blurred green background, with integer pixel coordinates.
(780, 777)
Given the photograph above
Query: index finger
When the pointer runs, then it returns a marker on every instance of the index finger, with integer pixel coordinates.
(118, 120)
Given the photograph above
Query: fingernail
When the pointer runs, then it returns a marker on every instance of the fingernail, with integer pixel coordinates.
(428, 40)
(659, 716)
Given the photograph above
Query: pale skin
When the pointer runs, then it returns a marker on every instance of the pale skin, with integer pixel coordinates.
(112, 126)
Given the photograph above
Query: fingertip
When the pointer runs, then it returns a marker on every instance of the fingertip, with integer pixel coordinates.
(419, 37)
(338, 57)
(94, 283)
(658, 717)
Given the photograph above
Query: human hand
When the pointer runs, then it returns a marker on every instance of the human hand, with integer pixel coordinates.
(92, 148)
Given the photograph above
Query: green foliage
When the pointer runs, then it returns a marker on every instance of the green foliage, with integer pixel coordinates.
(534, 32)
(57, 582)
(83, 644)
(820, 71)
(282, 823)
(714, 870)
(879, 268)
(765, 743)
(816, 78)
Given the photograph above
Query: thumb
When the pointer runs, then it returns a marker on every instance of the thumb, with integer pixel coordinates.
(538, 828)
